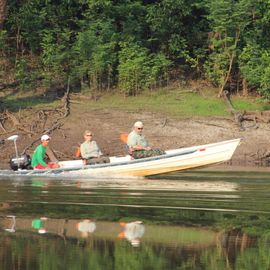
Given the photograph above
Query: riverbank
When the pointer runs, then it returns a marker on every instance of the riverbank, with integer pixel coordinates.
(161, 130)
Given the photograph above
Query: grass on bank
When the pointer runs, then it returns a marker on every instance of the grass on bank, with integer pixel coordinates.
(176, 102)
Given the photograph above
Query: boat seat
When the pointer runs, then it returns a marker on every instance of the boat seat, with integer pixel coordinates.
(124, 138)
(78, 152)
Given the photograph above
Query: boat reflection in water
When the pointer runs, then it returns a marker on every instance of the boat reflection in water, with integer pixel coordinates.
(132, 231)
(168, 245)
(13, 224)
(146, 184)
(86, 227)
(39, 224)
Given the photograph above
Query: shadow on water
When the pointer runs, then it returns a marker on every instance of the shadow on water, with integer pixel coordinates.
(192, 220)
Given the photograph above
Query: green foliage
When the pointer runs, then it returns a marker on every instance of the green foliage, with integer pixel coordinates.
(133, 68)
(250, 64)
(255, 67)
(228, 21)
(166, 21)
(254, 58)
(56, 51)
(216, 67)
(21, 71)
(138, 45)
(95, 56)
(265, 80)
(139, 70)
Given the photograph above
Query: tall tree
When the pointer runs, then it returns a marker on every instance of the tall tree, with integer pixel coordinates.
(254, 60)
(228, 20)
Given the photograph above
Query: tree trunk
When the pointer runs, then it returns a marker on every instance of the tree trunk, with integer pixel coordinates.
(231, 59)
(238, 117)
(227, 75)
(3, 4)
(245, 88)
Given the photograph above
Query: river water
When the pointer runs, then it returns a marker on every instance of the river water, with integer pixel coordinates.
(190, 220)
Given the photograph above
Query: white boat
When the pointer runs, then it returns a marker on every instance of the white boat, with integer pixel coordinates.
(173, 160)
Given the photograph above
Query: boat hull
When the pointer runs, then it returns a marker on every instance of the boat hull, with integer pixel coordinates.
(173, 160)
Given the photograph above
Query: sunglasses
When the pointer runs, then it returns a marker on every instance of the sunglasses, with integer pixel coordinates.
(88, 135)
(140, 128)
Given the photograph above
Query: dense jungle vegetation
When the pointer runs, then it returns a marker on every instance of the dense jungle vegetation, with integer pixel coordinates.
(135, 45)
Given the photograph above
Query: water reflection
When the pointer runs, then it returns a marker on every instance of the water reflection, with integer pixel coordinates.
(233, 244)
(163, 247)
(146, 184)
(39, 225)
(186, 221)
(132, 231)
(86, 227)
(13, 224)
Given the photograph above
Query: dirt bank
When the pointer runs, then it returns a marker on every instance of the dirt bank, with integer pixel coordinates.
(162, 131)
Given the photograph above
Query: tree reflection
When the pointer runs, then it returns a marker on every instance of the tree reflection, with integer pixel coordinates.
(163, 247)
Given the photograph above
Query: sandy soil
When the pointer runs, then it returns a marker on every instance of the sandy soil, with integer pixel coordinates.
(161, 131)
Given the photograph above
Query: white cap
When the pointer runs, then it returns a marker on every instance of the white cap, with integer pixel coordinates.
(45, 137)
(138, 124)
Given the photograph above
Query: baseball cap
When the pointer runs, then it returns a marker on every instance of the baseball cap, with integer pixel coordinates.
(138, 124)
(45, 137)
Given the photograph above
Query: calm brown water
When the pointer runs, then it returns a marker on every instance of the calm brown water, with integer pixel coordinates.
(192, 220)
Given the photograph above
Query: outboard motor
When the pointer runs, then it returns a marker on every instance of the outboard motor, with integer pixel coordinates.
(22, 162)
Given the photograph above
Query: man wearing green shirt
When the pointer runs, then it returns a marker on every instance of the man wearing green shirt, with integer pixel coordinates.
(138, 145)
(38, 162)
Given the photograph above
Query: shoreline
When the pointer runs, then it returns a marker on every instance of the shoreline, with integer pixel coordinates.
(236, 168)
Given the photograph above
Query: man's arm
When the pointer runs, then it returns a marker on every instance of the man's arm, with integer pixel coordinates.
(98, 149)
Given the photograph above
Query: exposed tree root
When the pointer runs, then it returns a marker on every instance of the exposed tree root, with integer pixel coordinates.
(261, 157)
(250, 116)
(45, 122)
(238, 117)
